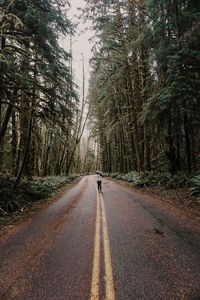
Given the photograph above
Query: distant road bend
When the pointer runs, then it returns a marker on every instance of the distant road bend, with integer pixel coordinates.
(118, 245)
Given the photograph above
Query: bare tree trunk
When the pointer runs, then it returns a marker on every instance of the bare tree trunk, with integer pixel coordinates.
(6, 121)
(14, 144)
(187, 143)
(25, 151)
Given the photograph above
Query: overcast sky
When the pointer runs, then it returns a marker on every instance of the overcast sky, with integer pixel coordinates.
(80, 43)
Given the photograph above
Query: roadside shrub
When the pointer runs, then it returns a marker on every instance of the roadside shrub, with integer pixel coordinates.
(12, 200)
(114, 175)
(106, 174)
(9, 201)
(166, 180)
(43, 187)
(195, 189)
(132, 177)
(149, 178)
(179, 181)
(152, 178)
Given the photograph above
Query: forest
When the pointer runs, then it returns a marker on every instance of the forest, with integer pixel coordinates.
(144, 98)
(39, 105)
(145, 85)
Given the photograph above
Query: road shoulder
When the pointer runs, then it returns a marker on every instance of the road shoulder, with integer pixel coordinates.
(26, 214)
(169, 201)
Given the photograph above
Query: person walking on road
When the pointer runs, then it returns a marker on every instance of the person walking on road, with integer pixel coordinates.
(99, 181)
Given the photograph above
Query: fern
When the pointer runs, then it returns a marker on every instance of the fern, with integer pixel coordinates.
(195, 190)
(28, 192)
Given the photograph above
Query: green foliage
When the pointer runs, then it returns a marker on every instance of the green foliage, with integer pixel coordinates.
(165, 180)
(195, 190)
(12, 200)
(132, 177)
(45, 186)
(35, 73)
(113, 175)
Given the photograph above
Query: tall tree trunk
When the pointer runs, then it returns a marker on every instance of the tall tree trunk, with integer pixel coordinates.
(135, 128)
(6, 121)
(14, 144)
(187, 143)
(23, 163)
(171, 153)
(147, 156)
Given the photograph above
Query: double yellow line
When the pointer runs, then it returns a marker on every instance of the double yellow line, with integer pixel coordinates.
(101, 214)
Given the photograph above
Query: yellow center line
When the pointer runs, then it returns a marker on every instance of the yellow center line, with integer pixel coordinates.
(110, 293)
(96, 260)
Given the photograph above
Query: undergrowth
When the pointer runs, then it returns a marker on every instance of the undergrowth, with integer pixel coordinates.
(28, 192)
(195, 189)
(164, 180)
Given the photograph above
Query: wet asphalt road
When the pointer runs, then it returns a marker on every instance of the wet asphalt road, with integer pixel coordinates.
(154, 249)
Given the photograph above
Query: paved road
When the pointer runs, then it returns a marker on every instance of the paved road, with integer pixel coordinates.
(119, 245)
